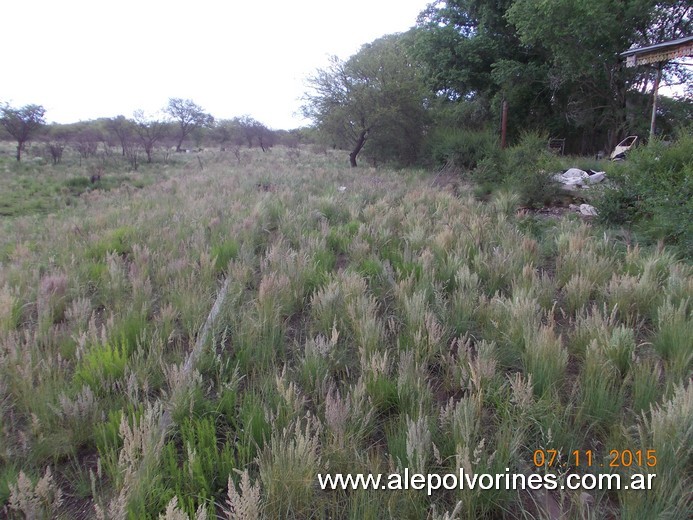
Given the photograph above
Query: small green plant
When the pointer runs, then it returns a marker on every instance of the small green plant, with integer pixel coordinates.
(199, 470)
(223, 253)
(102, 365)
(601, 394)
(545, 359)
(673, 338)
(118, 241)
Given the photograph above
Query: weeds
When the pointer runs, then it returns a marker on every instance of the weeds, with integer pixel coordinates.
(393, 326)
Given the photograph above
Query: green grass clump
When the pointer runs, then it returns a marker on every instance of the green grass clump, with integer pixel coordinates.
(118, 241)
(207, 462)
(223, 253)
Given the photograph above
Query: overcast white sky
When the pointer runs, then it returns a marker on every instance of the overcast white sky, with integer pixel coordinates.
(83, 59)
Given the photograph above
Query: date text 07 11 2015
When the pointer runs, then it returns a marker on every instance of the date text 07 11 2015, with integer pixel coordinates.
(586, 458)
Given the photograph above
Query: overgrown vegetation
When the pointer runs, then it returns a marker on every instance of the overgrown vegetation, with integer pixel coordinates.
(652, 192)
(390, 325)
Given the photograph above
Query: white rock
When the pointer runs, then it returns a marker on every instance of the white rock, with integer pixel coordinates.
(596, 177)
(588, 210)
(572, 177)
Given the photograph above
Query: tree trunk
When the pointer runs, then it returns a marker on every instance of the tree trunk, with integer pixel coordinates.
(19, 152)
(357, 148)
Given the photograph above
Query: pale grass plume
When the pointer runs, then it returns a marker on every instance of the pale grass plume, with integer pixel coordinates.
(116, 272)
(522, 391)
(79, 311)
(579, 253)
(367, 327)
(668, 428)
(327, 305)
(620, 348)
(142, 442)
(8, 301)
(505, 202)
(52, 295)
(40, 500)
(674, 333)
(375, 365)
(288, 465)
(447, 515)
(471, 456)
(481, 365)
(173, 512)
(181, 383)
(418, 443)
(679, 285)
(462, 419)
(635, 296)
(516, 315)
(244, 503)
(337, 415)
(545, 358)
(577, 291)
(359, 248)
(320, 345)
(445, 239)
(273, 286)
(290, 393)
(361, 414)
(591, 324)
(139, 282)
(135, 390)
(411, 372)
(83, 406)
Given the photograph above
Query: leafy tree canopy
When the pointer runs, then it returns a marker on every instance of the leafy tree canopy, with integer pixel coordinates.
(22, 123)
(376, 94)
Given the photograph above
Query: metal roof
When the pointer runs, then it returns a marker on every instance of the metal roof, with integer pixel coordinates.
(658, 46)
(660, 52)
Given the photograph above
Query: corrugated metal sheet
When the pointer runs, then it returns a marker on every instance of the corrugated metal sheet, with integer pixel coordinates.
(659, 52)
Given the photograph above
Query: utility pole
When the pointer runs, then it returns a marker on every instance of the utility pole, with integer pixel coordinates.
(658, 78)
(504, 124)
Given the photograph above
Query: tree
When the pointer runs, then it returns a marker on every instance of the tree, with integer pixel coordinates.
(583, 41)
(22, 123)
(474, 60)
(122, 128)
(376, 92)
(189, 117)
(254, 131)
(556, 63)
(149, 130)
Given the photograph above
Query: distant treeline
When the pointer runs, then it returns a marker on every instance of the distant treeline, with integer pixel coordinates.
(435, 94)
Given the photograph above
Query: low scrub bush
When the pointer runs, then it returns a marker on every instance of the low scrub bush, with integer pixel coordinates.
(653, 192)
(459, 147)
(526, 169)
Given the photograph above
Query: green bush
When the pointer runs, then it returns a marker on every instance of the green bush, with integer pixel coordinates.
(459, 147)
(652, 191)
(526, 168)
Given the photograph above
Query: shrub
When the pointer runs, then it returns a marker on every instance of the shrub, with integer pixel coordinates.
(459, 147)
(526, 168)
(653, 192)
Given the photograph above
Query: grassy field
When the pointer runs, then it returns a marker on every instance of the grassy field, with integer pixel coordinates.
(396, 323)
